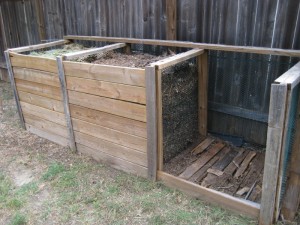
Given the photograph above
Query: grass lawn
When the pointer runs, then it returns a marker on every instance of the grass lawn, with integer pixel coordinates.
(44, 183)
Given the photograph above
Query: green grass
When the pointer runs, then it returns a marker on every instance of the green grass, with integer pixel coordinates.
(53, 170)
(18, 219)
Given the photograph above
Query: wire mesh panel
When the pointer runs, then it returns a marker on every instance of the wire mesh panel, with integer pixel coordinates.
(179, 107)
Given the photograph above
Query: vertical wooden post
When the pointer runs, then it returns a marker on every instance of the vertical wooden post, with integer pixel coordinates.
(14, 88)
(171, 19)
(277, 112)
(151, 104)
(291, 199)
(40, 19)
(202, 62)
(128, 49)
(65, 97)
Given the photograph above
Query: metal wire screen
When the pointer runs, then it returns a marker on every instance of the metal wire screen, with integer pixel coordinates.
(179, 107)
(290, 137)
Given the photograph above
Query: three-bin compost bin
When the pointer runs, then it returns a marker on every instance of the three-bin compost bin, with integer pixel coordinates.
(147, 115)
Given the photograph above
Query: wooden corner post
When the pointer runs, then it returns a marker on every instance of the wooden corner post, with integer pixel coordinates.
(151, 104)
(14, 88)
(277, 112)
(202, 63)
(65, 98)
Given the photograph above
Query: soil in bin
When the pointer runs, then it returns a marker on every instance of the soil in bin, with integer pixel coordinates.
(210, 175)
(134, 59)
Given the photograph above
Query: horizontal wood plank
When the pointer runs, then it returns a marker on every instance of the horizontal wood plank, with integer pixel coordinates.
(41, 101)
(49, 136)
(113, 136)
(36, 76)
(39, 46)
(113, 149)
(221, 199)
(43, 113)
(113, 161)
(112, 106)
(114, 122)
(46, 125)
(186, 44)
(116, 74)
(290, 77)
(107, 89)
(33, 62)
(38, 89)
(172, 60)
(92, 51)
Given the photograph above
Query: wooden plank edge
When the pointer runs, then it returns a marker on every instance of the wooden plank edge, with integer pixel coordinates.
(290, 77)
(39, 46)
(184, 44)
(164, 63)
(65, 97)
(83, 53)
(14, 88)
(151, 114)
(226, 201)
(47, 135)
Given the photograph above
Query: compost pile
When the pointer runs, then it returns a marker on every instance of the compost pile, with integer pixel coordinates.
(135, 59)
(180, 108)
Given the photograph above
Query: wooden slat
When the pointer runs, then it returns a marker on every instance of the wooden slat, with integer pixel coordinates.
(107, 89)
(43, 113)
(185, 44)
(84, 53)
(200, 174)
(49, 136)
(221, 199)
(151, 121)
(39, 46)
(273, 151)
(116, 74)
(46, 125)
(33, 62)
(41, 101)
(290, 77)
(40, 19)
(244, 164)
(172, 60)
(116, 107)
(65, 98)
(38, 89)
(107, 134)
(113, 149)
(202, 146)
(202, 63)
(113, 161)
(103, 119)
(199, 163)
(36, 76)
(14, 88)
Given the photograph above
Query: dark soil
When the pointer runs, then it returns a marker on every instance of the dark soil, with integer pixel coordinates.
(135, 59)
(180, 108)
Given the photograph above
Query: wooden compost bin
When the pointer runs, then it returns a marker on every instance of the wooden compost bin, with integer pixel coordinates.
(115, 114)
(38, 93)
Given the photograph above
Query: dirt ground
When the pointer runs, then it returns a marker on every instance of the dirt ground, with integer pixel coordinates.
(44, 183)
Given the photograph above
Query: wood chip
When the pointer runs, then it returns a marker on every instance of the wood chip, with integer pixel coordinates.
(244, 164)
(205, 157)
(215, 172)
(243, 191)
(202, 146)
